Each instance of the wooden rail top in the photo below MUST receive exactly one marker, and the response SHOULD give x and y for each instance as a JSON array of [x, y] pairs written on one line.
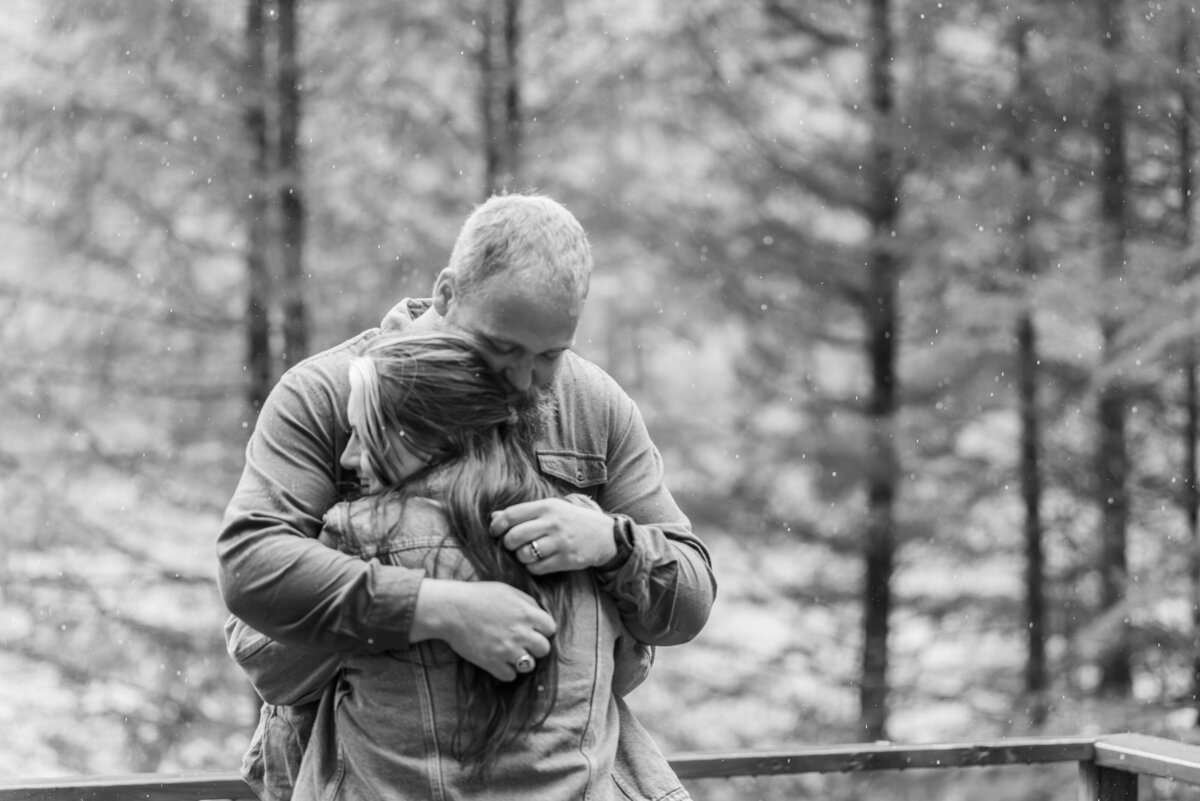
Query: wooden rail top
[[885, 756], [1125, 756], [1150, 756]]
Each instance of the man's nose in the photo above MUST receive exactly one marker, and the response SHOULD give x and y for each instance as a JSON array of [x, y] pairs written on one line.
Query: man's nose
[[519, 374]]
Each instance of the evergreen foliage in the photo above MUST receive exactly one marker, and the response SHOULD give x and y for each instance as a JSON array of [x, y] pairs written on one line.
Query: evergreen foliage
[[724, 158]]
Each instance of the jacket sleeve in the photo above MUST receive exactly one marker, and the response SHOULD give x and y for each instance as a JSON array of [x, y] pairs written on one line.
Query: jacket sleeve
[[273, 573], [280, 674], [664, 585]]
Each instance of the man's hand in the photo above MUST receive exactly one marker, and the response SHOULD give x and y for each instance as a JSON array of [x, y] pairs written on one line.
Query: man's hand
[[488, 623], [554, 535]]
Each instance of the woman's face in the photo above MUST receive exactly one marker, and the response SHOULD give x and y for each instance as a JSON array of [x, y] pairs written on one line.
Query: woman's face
[[355, 458], [403, 460]]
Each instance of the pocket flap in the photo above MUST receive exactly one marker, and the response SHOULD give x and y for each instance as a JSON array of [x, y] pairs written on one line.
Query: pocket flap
[[577, 469]]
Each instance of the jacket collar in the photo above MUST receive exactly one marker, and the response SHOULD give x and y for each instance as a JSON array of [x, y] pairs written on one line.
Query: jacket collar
[[403, 313]]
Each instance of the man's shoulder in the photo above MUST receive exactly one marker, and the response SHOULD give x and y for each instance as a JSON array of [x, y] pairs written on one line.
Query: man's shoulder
[[588, 395], [398, 318], [576, 373], [315, 389], [331, 359]]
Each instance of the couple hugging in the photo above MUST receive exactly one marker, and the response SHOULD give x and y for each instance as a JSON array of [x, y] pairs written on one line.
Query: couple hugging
[[451, 551]]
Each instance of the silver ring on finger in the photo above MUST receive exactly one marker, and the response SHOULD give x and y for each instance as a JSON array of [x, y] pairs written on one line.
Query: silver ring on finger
[[536, 551], [525, 664]]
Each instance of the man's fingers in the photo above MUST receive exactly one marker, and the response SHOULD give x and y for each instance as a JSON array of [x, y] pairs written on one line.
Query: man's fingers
[[544, 624], [504, 519], [503, 671], [524, 533], [539, 647], [536, 646], [494, 624]]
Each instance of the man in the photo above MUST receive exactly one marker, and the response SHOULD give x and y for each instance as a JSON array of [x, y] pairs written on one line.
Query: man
[[517, 280]]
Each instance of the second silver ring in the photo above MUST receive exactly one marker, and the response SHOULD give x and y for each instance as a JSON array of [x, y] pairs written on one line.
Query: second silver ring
[[536, 551]]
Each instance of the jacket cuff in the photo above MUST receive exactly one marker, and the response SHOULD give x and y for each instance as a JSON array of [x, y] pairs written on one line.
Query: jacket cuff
[[623, 537]]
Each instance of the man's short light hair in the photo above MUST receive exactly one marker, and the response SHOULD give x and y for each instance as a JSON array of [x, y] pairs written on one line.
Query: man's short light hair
[[522, 237]]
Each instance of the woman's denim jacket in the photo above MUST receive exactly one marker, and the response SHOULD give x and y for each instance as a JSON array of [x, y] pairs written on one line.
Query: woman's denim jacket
[[381, 727]]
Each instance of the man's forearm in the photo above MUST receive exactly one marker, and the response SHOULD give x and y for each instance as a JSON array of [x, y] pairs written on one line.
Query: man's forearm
[[298, 591]]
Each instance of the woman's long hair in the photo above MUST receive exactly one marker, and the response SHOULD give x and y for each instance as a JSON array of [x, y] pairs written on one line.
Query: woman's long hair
[[437, 395]]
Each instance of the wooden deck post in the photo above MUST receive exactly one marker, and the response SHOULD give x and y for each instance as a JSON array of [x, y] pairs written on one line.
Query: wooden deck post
[[1097, 783]]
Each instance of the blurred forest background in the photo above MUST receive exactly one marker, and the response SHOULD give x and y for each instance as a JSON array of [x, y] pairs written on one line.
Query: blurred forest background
[[906, 289]]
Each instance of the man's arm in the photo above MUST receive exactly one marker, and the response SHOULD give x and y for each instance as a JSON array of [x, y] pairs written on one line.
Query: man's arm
[[277, 577], [663, 585], [662, 578], [273, 573], [642, 545], [280, 674]]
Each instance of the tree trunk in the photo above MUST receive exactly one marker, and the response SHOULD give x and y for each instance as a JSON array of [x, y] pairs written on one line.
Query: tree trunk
[[1031, 493], [512, 89], [1190, 499], [1191, 502], [1027, 372], [882, 333], [1113, 458], [501, 96], [291, 198], [257, 209]]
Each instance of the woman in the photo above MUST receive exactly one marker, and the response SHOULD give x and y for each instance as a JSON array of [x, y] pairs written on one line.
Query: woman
[[437, 447]]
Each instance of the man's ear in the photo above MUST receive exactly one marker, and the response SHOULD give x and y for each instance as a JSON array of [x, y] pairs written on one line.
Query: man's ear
[[443, 291]]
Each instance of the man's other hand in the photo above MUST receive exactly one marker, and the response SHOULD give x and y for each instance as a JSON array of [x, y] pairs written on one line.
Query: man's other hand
[[553, 535]]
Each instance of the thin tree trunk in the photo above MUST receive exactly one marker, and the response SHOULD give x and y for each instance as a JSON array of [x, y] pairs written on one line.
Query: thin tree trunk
[[880, 538], [1031, 492], [257, 209], [291, 198], [500, 94], [1191, 501], [1191, 400], [513, 121], [1027, 371], [1116, 674]]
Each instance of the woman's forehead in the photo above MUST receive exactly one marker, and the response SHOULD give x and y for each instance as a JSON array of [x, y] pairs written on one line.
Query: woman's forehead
[[354, 401]]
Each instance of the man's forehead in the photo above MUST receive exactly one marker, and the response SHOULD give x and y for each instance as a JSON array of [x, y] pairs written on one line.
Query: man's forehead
[[525, 339], [524, 320]]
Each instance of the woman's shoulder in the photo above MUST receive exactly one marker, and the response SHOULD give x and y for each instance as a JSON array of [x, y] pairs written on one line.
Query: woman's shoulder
[[403, 530], [371, 525]]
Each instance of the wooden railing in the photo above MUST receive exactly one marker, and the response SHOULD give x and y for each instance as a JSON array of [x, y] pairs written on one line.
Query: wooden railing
[[1109, 768]]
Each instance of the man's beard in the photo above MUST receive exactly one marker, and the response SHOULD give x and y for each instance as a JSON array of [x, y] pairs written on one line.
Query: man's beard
[[533, 411]]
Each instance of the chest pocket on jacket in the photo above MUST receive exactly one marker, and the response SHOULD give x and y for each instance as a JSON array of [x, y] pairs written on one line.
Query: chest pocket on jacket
[[579, 470]]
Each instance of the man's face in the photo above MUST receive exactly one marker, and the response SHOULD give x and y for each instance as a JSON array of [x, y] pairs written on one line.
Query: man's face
[[524, 330]]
